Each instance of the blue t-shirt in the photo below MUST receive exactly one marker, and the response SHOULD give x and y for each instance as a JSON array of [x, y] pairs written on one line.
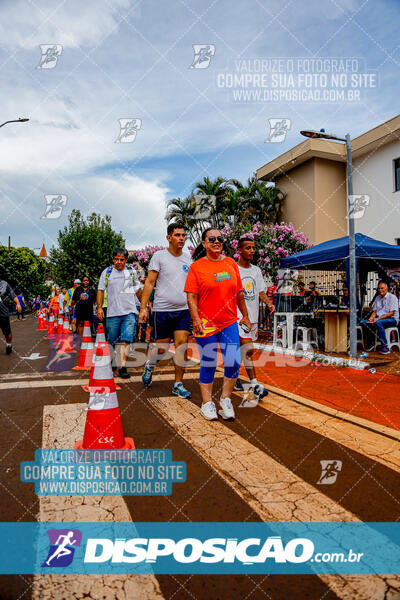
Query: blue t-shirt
[[21, 300]]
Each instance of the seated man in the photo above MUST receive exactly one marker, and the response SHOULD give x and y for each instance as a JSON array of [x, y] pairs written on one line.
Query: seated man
[[385, 314]]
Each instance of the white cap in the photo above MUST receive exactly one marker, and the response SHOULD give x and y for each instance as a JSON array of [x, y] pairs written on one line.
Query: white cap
[[77, 281]]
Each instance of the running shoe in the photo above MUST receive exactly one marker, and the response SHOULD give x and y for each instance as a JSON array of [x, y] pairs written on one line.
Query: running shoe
[[238, 386], [180, 391], [8, 349], [226, 411], [209, 411], [384, 351], [260, 391], [123, 373], [147, 374]]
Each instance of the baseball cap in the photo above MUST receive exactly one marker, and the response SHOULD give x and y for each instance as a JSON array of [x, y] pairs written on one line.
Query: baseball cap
[[77, 281]]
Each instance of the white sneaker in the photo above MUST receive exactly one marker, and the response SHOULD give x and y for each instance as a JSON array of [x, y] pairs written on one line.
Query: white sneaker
[[226, 411], [209, 411]]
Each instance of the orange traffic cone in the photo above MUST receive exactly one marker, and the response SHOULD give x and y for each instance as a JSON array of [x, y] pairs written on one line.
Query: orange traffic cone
[[59, 329], [101, 379], [51, 332], [86, 353], [42, 323], [100, 335], [103, 428], [66, 341]]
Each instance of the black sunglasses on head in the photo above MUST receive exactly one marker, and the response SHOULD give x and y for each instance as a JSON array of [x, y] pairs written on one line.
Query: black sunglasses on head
[[212, 239]]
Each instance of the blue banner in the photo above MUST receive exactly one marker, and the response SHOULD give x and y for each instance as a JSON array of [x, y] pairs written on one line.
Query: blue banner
[[200, 548]]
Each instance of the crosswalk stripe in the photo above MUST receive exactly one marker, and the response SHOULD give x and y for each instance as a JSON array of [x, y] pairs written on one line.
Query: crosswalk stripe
[[274, 492], [62, 426]]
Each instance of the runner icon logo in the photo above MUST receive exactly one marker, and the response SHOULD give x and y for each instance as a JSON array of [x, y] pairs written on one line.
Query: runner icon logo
[[62, 542], [329, 471], [202, 56]]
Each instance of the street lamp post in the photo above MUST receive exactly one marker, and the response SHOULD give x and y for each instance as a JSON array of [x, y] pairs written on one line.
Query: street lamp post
[[14, 121], [352, 240]]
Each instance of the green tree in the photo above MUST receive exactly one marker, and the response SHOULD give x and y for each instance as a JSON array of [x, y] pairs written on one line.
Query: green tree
[[24, 271], [261, 202], [184, 211], [84, 248]]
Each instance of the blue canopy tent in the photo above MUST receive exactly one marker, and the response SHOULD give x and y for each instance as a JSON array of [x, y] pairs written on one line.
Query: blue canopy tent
[[371, 255]]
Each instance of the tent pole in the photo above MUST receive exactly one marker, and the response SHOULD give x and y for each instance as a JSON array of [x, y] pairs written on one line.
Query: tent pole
[[352, 253]]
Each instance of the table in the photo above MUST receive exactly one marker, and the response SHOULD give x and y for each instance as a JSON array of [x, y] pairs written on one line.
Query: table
[[335, 329], [289, 316]]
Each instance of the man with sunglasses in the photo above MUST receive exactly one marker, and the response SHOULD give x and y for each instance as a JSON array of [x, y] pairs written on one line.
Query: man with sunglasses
[[168, 270]]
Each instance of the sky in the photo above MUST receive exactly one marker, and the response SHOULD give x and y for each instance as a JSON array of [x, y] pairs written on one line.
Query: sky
[[179, 72]]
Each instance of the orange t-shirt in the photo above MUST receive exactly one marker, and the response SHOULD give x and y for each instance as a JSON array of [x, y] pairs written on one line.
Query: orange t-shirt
[[54, 306], [216, 283]]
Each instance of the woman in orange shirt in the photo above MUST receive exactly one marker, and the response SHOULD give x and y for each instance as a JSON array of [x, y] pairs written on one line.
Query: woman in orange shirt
[[54, 306], [215, 291]]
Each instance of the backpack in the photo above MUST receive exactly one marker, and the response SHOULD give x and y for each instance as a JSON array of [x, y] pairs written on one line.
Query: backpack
[[109, 270]]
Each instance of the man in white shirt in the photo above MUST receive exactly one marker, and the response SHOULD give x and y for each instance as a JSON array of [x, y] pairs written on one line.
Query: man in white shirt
[[61, 298], [385, 314], [254, 291], [121, 282], [169, 268]]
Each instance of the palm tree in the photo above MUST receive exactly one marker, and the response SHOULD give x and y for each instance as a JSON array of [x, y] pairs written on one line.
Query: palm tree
[[218, 188], [262, 201], [183, 210]]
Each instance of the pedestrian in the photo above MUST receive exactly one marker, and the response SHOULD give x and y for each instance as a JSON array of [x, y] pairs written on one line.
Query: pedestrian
[[54, 306], [7, 291], [215, 292], [83, 300], [61, 297], [21, 299], [68, 309], [121, 282], [254, 291], [168, 269]]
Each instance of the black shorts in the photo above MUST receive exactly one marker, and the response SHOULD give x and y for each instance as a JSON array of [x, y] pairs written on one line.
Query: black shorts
[[166, 322], [84, 314], [5, 325]]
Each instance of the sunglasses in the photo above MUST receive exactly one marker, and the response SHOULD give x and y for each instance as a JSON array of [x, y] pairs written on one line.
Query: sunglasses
[[213, 239]]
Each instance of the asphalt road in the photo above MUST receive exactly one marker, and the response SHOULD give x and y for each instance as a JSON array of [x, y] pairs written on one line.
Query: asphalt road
[[281, 446]]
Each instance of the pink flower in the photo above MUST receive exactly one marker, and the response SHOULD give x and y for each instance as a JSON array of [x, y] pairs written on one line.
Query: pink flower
[[236, 256]]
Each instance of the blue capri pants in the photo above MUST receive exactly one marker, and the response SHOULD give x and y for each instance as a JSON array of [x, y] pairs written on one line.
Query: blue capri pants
[[229, 343]]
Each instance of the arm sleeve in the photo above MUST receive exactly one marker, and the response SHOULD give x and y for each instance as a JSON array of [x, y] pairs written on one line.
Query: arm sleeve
[[239, 284], [102, 281], [154, 264], [192, 284]]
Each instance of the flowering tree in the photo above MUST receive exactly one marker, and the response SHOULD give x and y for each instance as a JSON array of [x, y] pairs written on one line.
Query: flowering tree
[[140, 259], [272, 242]]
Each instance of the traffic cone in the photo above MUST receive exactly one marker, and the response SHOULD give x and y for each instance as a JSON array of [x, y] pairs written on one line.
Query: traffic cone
[[101, 379], [86, 353], [59, 329], [51, 332], [100, 335], [103, 428], [42, 323], [66, 340]]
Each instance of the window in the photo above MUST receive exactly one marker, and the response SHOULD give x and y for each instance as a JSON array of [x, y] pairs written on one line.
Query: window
[[397, 175]]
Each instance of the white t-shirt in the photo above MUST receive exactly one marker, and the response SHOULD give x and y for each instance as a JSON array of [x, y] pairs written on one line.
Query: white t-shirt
[[61, 302], [121, 291], [172, 272], [253, 283]]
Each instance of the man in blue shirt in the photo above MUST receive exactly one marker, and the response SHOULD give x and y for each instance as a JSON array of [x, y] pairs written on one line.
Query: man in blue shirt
[[385, 314], [21, 299]]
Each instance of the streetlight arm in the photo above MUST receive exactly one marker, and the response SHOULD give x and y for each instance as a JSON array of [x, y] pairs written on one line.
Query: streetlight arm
[[14, 121]]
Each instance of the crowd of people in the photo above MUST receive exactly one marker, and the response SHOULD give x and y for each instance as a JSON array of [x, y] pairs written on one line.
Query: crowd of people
[[207, 294]]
